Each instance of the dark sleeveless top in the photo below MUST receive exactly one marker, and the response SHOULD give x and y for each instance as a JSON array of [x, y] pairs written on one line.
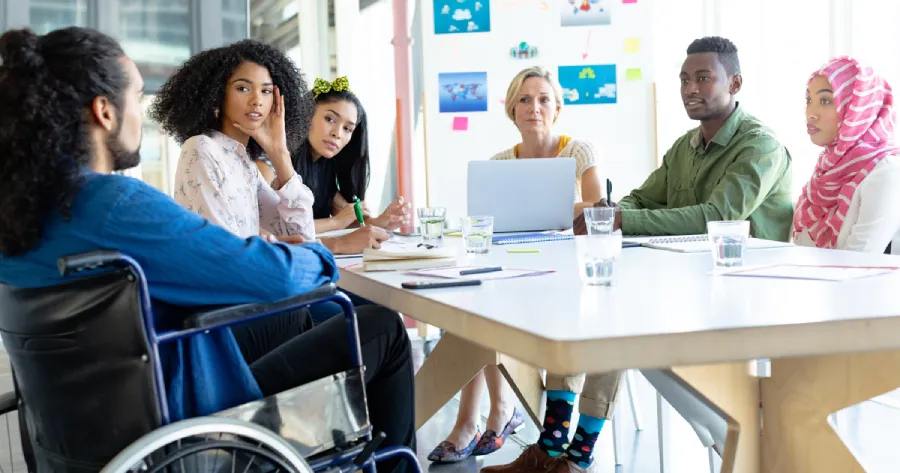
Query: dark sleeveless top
[[320, 177]]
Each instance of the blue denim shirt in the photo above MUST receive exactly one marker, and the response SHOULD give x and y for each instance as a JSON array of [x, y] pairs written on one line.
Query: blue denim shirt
[[187, 262]]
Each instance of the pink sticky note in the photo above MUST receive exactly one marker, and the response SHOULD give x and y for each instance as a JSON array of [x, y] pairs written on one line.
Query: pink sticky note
[[460, 123], [629, 1]]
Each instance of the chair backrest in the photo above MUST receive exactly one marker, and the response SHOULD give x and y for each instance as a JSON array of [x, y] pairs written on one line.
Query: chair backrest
[[80, 357]]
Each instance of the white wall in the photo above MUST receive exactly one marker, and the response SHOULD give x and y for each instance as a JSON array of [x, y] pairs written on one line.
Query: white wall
[[780, 43], [622, 131]]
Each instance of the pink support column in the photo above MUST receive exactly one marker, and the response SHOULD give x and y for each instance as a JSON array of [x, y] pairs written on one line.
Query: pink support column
[[403, 87]]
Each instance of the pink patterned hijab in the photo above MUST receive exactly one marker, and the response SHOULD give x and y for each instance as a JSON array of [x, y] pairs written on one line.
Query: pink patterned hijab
[[866, 136]]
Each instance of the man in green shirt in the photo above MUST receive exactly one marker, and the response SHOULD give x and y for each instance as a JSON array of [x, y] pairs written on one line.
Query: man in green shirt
[[731, 167]]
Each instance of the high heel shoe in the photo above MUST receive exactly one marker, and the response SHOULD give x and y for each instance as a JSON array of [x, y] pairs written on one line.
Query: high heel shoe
[[491, 442], [446, 451]]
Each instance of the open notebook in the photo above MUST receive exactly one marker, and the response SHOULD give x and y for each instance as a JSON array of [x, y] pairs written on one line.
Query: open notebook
[[695, 243], [408, 256]]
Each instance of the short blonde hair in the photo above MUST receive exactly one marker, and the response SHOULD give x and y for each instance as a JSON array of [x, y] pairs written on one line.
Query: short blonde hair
[[516, 86]]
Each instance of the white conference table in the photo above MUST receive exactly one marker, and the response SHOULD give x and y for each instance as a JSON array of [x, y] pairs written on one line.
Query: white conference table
[[832, 344]]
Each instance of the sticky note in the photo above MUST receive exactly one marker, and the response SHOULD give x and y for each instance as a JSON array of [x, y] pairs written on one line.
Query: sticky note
[[633, 73], [632, 45], [461, 123], [629, 1]]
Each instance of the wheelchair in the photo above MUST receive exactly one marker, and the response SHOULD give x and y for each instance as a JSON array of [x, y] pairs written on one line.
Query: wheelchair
[[90, 395]]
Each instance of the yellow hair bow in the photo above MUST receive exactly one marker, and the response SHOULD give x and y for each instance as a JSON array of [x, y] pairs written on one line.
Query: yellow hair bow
[[322, 86]]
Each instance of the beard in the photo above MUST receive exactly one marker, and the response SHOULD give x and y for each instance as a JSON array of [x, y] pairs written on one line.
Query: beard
[[122, 157]]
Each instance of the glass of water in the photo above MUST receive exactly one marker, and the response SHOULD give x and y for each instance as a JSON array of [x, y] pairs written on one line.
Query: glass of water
[[597, 255], [431, 221], [477, 233], [599, 220], [729, 240]]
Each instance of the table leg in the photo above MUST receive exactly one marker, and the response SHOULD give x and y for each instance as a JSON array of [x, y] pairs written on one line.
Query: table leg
[[527, 383], [729, 390], [801, 394], [455, 361]]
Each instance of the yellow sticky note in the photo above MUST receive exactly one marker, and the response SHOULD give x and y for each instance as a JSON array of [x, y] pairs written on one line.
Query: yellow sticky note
[[632, 45], [633, 74]]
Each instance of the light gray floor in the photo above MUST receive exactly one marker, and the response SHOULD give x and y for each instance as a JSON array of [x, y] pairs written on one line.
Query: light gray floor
[[869, 428]]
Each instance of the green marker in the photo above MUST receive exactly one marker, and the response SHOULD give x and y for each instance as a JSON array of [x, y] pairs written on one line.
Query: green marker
[[359, 215], [522, 250]]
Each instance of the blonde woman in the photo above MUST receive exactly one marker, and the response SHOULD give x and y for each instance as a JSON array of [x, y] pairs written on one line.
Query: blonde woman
[[533, 103]]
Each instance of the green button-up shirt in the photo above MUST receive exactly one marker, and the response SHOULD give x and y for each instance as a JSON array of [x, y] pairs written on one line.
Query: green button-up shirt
[[744, 173]]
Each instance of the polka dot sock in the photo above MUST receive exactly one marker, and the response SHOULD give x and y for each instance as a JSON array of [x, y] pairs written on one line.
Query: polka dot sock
[[555, 438], [581, 450]]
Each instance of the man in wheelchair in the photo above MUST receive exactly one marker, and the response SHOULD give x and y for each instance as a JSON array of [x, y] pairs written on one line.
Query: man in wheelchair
[[72, 115]]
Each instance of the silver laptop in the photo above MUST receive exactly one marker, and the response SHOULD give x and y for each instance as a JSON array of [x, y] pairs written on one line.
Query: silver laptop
[[523, 195]]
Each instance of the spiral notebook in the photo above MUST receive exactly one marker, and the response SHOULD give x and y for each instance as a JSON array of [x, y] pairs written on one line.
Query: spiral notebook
[[695, 243], [529, 238]]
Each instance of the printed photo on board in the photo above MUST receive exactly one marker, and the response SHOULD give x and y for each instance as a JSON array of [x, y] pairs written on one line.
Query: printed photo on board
[[588, 85], [463, 92], [584, 12], [462, 16]]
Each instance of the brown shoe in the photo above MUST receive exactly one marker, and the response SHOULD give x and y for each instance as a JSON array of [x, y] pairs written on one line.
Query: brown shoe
[[532, 460]]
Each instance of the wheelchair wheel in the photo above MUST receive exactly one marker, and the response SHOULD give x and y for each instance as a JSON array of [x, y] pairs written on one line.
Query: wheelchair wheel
[[207, 445]]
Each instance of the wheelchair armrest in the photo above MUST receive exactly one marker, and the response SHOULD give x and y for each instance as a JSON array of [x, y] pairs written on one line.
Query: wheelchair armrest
[[9, 402], [90, 260], [219, 317]]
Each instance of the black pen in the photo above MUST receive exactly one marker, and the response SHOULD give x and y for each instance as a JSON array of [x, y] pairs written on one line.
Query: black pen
[[480, 271], [608, 193]]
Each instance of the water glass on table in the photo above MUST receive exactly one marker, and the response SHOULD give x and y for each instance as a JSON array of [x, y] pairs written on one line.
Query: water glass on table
[[729, 242], [477, 233], [431, 221], [597, 255], [599, 220]]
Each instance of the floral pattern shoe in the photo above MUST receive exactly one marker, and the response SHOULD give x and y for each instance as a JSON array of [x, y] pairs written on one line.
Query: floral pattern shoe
[[446, 452], [491, 441]]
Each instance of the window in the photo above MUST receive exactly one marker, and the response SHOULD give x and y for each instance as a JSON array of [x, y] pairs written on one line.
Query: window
[[48, 15], [234, 21], [157, 35]]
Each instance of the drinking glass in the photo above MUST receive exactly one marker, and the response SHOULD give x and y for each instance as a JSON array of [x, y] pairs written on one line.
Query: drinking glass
[[431, 221], [599, 220], [477, 233], [729, 242], [597, 255]]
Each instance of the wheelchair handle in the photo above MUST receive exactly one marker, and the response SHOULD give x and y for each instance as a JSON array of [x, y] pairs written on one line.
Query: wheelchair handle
[[90, 260]]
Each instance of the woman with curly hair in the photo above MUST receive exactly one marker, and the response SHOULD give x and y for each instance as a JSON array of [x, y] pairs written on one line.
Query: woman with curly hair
[[227, 107], [334, 163]]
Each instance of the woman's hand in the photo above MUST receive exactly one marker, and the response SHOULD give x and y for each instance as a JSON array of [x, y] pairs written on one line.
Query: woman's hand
[[272, 138], [345, 217], [395, 215]]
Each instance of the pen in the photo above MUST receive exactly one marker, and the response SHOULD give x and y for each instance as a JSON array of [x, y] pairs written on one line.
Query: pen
[[523, 250], [480, 271], [359, 215], [608, 192]]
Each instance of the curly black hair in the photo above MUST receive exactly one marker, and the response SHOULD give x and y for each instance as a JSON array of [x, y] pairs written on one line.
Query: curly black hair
[[726, 50], [351, 164], [46, 85], [185, 105]]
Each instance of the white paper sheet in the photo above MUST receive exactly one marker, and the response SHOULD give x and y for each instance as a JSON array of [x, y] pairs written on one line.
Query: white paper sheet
[[811, 272]]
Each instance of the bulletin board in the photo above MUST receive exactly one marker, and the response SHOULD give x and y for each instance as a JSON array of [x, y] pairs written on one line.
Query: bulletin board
[[600, 52]]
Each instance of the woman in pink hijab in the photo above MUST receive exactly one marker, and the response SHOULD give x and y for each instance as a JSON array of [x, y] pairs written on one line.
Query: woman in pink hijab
[[852, 200]]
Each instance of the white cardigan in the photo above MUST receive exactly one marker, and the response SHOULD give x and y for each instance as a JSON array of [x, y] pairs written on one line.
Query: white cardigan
[[873, 219]]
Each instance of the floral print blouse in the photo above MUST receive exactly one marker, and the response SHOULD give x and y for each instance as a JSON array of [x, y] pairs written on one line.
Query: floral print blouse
[[217, 179]]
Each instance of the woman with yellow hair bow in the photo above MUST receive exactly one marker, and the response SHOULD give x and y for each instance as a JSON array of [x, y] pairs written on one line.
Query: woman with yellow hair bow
[[334, 163]]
